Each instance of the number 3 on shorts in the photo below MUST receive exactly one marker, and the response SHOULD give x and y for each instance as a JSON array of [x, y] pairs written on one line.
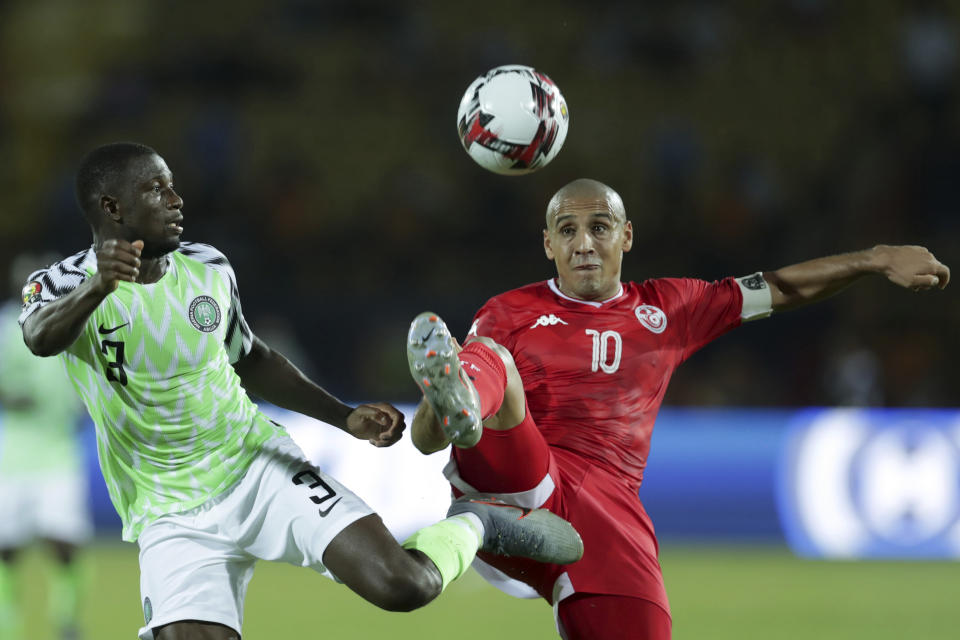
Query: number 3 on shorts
[[317, 481]]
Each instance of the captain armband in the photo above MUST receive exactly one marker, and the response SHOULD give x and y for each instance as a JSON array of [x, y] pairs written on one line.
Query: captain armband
[[757, 297]]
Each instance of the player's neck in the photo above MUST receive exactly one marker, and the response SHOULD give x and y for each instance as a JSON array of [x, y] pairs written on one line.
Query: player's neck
[[591, 297], [152, 269]]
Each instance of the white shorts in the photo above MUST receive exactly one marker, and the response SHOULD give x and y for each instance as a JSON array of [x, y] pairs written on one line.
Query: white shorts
[[196, 565], [49, 505]]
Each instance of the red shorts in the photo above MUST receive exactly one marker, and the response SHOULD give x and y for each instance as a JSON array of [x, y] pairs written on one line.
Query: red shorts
[[620, 549], [588, 616]]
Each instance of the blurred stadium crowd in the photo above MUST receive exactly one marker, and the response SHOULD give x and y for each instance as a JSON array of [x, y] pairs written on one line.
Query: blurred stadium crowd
[[314, 143]]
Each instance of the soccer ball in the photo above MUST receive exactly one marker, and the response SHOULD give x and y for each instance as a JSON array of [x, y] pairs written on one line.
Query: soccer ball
[[512, 120]]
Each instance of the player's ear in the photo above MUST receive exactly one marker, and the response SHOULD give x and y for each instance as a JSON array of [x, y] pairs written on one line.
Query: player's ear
[[627, 236], [110, 207], [547, 249]]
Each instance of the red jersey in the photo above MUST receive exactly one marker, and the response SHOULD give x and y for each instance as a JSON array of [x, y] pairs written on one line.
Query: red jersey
[[595, 373]]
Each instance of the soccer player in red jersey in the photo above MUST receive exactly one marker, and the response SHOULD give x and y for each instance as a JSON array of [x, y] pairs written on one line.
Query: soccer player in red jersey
[[567, 376]]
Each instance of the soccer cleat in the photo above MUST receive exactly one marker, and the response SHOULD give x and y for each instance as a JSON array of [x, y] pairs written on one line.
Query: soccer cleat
[[435, 367], [509, 530]]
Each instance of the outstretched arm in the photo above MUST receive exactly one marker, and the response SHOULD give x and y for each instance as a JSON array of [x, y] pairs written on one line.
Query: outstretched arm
[[910, 267], [269, 375]]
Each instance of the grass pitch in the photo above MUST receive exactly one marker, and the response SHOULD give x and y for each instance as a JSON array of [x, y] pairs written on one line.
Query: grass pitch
[[717, 593]]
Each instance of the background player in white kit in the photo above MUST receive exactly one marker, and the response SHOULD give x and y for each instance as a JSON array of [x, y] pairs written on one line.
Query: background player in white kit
[[43, 486], [204, 482]]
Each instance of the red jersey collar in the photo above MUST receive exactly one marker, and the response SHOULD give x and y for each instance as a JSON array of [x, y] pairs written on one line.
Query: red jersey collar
[[556, 290]]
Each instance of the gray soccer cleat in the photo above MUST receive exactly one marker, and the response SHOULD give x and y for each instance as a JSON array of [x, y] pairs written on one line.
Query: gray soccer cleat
[[509, 530], [435, 366]]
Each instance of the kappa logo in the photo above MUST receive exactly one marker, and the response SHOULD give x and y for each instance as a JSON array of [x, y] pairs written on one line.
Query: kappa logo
[[547, 321], [469, 365], [651, 317], [473, 328]]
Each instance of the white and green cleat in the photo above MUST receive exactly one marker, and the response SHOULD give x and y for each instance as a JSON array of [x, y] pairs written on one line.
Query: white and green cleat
[[509, 530], [435, 367]]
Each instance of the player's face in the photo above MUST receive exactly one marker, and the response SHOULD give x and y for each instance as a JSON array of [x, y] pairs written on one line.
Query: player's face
[[586, 238], [150, 208]]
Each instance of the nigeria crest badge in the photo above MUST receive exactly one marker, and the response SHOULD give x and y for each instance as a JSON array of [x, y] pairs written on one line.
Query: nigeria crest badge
[[204, 314]]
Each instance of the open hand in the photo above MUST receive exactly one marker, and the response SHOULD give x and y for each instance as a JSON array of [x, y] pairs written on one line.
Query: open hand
[[379, 423]]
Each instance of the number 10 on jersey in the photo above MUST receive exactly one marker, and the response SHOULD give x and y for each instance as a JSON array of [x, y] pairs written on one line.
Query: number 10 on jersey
[[601, 350]]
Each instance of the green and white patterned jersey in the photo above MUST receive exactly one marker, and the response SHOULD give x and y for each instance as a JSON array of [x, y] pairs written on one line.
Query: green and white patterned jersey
[[41, 435], [153, 365]]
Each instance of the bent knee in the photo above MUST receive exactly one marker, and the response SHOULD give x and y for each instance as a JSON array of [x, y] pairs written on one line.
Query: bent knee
[[497, 348], [513, 376]]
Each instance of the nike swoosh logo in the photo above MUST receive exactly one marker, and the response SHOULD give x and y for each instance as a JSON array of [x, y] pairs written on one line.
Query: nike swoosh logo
[[104, 331]]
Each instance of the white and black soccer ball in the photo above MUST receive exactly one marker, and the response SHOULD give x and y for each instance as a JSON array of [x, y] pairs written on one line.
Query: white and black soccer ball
[[512, 120]]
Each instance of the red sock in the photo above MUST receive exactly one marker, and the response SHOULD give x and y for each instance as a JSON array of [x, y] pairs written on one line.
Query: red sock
[[489, 376]]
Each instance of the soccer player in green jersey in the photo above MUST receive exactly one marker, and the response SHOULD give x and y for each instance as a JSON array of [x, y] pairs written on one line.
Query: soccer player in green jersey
[[43, 485], [154, 339]]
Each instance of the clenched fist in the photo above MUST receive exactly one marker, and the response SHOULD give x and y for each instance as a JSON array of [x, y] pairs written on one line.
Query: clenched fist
[[117, 260]]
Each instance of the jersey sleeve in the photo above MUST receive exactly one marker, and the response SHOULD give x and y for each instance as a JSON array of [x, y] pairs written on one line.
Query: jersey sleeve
[[46, 285], [492, 321], [238, 339], [706, 310]]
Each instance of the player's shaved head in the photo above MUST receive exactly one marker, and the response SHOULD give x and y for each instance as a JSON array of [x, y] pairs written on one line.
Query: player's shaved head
[[101, 170], [585, 193]]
